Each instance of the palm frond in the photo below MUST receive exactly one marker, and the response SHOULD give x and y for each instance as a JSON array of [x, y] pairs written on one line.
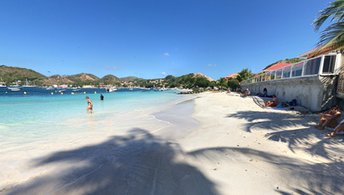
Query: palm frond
[[333, 33], [335, 11]]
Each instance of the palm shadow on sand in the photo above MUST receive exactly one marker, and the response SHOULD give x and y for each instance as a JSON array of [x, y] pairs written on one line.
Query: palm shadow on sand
[[293, 130], [318, 178], [138, 163]]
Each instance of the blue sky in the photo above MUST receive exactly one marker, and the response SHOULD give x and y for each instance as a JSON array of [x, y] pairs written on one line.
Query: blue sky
[[152, 38]]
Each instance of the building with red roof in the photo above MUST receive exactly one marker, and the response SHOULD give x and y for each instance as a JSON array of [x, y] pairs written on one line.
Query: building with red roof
[[277, 66], [231, 76], [316, 82]]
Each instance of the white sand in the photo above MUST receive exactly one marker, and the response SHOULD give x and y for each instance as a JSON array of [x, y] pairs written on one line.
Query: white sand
[[232, 147]]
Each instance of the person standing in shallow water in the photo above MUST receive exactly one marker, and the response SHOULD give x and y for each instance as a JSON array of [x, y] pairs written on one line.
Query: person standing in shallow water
[[89, 108], [101, 97]]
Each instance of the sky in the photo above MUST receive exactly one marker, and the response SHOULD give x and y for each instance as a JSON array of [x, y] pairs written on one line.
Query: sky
[[154, 38]]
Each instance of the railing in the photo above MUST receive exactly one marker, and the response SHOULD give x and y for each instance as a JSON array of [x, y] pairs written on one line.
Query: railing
[[322, 65]]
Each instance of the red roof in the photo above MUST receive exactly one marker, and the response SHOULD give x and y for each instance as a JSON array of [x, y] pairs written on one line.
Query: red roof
[[231, 76], [277, 66]]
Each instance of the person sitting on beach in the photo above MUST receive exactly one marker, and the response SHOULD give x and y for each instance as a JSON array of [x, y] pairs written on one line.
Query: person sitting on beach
[[272, 103], [89, 108], [329, 118], [246, 92], [339, 128]]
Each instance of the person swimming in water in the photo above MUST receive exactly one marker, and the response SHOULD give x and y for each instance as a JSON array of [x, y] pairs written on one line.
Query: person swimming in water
[[89, 108]]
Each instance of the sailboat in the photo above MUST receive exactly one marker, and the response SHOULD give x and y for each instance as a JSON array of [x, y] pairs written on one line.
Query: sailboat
[[27, 84]]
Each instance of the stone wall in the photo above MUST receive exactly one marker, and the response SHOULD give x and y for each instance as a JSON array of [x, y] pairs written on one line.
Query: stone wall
[[315, 93]]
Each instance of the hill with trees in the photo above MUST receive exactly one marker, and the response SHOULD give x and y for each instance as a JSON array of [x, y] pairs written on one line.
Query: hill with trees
[[9, 75], [110, 80], [194, 81]]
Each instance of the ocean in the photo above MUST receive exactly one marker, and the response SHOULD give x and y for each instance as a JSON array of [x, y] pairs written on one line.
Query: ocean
[[42, 113]]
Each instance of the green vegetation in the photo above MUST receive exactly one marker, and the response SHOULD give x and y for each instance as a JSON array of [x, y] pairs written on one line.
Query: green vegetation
[[290, 61], [197, 82], [233, 84], [244, 74], [84, 79], [110, 80], [189, 81], [333, 35], [11, 75]]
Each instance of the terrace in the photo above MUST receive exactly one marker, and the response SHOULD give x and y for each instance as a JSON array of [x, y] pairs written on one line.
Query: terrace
[[319, 66], [312, 82]]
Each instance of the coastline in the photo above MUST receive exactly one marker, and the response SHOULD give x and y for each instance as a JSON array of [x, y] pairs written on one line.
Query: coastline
[[97, 128], [179, 118], [230, 146]]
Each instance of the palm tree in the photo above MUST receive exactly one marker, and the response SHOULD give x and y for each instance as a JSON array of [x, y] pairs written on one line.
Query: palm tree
[[332, 38]]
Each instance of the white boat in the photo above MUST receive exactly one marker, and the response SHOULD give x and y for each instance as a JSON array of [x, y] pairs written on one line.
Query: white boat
[[111, 89], [14, 89], [27, 84], [162, 89], [75, 89]]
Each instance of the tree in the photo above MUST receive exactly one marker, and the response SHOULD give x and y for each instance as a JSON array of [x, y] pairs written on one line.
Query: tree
[[233, 84], [244, 74], [223, 83], [333, 35], [202, 82]]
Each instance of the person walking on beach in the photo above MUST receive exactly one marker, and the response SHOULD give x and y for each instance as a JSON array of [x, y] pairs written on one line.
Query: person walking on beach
[[89, 108]]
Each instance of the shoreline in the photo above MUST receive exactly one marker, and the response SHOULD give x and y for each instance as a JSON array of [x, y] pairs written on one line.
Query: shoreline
[[230, 146], [143, 118], [180, 119]]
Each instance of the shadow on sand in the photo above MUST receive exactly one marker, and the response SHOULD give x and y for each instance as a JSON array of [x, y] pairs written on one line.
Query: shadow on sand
[[293, 130], [138, 163], [320, 178]]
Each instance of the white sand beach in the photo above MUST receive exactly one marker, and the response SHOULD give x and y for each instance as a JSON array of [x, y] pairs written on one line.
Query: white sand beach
[[213, 143]]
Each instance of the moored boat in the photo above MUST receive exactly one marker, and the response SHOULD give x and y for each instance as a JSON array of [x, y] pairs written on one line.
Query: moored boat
[[14, 89]]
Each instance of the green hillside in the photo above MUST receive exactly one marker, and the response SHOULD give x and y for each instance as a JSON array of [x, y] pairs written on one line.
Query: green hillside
[[10, 74], [110, 80]]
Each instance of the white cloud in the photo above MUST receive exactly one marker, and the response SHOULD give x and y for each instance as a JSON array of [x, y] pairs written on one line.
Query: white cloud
[[111, 68], [166, 54], [164, 73]]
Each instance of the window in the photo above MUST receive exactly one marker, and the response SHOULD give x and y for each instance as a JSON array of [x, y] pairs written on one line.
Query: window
[[297, 70], [279, 74], [286, 72], [273, 75], [312, 66], [329, 64]]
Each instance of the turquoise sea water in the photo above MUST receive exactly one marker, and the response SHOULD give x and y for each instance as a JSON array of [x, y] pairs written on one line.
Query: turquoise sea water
[[30, 116]]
